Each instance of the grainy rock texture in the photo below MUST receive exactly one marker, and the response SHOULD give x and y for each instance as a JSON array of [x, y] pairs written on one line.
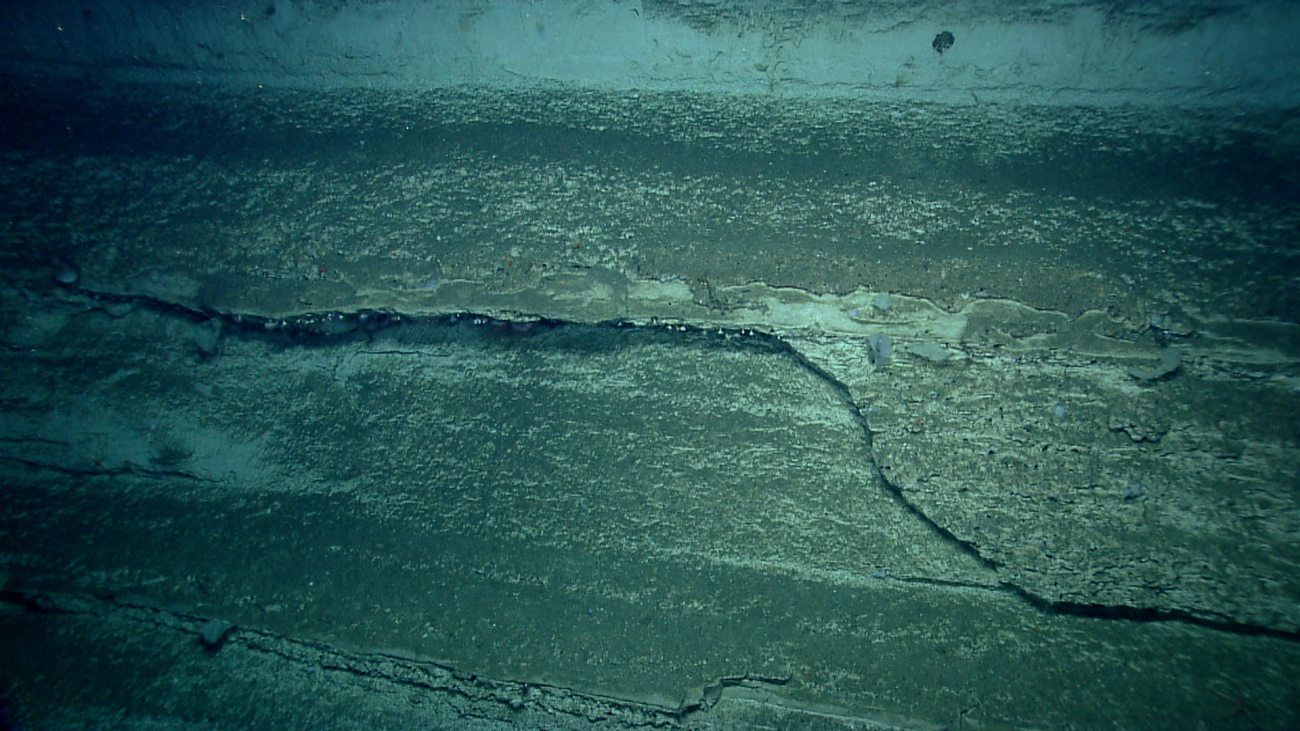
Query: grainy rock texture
[[685, 365]]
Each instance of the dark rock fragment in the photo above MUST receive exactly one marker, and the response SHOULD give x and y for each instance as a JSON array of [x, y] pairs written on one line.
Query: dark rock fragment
[[943, 42]]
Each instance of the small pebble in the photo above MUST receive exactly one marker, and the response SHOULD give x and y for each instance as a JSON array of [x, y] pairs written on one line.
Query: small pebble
[[66, 273], [207, 335], [213, 633], [118, 310], [878, 349]]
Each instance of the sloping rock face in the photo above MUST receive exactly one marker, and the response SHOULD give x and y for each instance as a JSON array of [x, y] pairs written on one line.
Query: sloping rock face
[[680, 399]]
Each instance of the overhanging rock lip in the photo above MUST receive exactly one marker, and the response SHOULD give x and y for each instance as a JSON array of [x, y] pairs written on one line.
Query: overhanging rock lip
[[600, 295]]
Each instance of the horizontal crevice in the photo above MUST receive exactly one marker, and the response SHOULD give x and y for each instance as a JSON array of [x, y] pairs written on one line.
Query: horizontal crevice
[[388, 332]]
